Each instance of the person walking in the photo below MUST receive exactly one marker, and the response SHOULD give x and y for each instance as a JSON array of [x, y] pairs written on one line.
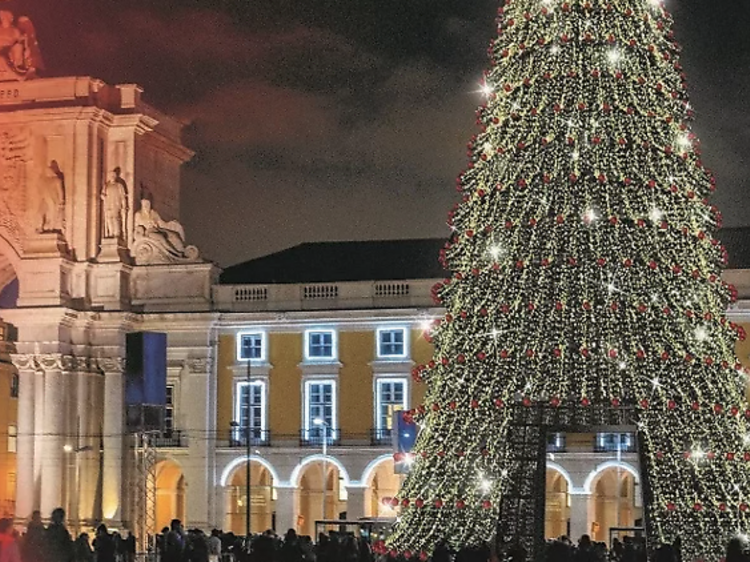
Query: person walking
[[82, 549], [9, 551], [104, 545], [58, 542], [32, 544], [174, 547], [214, 546]]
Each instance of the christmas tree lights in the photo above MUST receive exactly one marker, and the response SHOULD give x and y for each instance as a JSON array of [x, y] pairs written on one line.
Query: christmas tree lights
[[586, 274]]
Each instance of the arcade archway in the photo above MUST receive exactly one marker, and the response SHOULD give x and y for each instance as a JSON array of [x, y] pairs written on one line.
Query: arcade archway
[[9, 262], [615, 502], [382, 483], [322, 495], [261, 497], [170, 494], [557, 511]]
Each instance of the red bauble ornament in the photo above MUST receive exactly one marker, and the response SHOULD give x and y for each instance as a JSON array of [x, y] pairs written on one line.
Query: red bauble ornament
[[460, 504], [671, 405], [438, 503], [486, 504], [671, 506]]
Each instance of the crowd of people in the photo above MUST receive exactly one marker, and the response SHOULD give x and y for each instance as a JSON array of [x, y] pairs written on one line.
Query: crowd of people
[[54, 543]]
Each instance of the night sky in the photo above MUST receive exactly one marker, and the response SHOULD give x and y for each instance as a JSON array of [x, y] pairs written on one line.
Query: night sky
[[323, 120]]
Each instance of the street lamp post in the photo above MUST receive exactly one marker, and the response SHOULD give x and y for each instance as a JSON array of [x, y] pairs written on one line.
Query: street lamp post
[[324, 424], [76, 483], [248, 451]]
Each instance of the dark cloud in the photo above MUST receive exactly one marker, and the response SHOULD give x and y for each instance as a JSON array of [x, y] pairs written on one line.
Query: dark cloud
[[333, 119]]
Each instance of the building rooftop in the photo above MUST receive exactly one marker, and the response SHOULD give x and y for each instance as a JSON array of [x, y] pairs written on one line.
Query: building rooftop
[[327, 262], [388, 260]]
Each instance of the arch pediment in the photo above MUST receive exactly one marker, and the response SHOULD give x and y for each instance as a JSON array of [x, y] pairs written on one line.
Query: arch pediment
[[9, 263]]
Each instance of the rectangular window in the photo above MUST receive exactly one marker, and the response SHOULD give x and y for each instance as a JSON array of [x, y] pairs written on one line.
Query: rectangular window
[[320, 406], [251, 346], [14, 385], [250, 411], [320, 344], [12, 438], [169, 411], [555, 442], [392, 342], [612, 442], [391, 398]]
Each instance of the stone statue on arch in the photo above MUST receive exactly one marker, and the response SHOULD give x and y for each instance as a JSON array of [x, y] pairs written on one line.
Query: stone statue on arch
[[156, 241], [115, 205], [20, 56], [51, 189]]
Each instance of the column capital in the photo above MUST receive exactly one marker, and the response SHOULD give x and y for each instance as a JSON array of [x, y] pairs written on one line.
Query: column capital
[[115, 365], [50, 362]]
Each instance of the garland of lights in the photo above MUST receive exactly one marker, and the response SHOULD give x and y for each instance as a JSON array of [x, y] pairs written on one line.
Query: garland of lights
[[585, 274]]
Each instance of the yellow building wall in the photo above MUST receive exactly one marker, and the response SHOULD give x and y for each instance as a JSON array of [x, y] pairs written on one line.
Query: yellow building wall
[[285, 384], [224, 390], [8, 417], [355, 401], [742, 349], [421, 354]]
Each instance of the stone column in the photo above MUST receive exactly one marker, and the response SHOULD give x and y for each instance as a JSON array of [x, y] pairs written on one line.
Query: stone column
[[355, 506], [287, 502], [53, 456], [579, 516], [114, 435], [196, 466], [25, 485]]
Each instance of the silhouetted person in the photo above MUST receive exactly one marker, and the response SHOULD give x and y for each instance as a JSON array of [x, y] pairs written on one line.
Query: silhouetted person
[[58, 543], [82, 549], [9, 551], [104, 545], [174, 546], [32, 546]]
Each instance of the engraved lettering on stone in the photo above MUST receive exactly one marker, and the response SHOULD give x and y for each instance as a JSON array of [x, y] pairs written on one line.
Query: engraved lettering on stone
[[14, 154]]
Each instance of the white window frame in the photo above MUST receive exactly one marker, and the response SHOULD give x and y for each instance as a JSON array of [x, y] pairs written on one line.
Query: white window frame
[[263, 345], [170, 406], [378, 402], [12, 438], [308, 424], [334, 345], [378, 342], [263, 404]]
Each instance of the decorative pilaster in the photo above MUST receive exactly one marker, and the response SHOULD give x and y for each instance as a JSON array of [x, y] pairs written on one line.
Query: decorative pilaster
[[579, 515], [197, 466], [287, 502], [355, 505], [113, 439], [25, 483], [53, 439]]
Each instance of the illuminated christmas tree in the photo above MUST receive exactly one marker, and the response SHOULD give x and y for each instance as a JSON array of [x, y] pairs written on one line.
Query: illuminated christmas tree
[[585, 274]]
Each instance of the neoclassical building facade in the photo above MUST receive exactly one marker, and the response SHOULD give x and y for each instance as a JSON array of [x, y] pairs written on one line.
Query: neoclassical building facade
[[294, 363]]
